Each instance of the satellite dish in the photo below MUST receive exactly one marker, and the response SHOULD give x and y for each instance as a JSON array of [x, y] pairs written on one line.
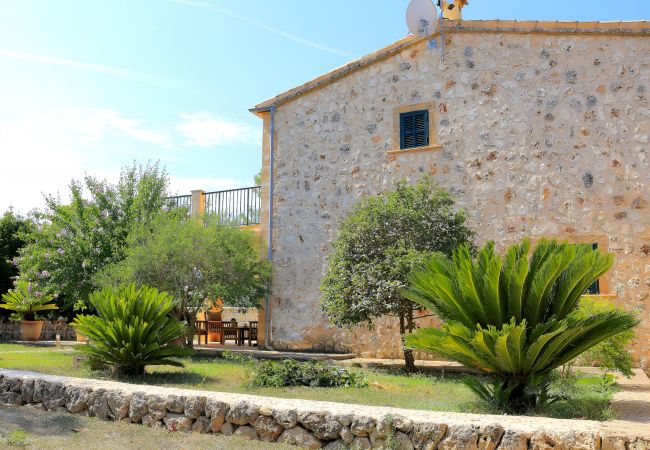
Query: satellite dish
[[422, 18]]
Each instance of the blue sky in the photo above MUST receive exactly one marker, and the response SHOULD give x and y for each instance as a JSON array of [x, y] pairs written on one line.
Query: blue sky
[[91, 85]]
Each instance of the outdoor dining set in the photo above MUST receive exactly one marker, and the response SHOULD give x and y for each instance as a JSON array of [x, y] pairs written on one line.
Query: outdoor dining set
[[218, 331]]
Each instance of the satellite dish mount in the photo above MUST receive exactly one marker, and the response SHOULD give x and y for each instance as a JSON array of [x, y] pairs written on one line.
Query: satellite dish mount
[[423, 20]]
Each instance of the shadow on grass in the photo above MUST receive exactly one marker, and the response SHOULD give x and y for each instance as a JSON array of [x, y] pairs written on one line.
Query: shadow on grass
[[160, 378], [38, 422]]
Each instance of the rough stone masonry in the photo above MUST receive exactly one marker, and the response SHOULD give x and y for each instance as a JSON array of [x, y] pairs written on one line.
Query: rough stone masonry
[[306, 424], [541, 130]]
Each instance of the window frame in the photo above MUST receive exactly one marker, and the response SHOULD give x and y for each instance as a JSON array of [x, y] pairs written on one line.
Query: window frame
[[396, 134], [403, 133], [596, 284]]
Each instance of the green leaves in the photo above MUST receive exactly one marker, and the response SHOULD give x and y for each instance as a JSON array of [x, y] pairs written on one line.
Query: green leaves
[[514, 318], [380, 242], [75, 239], [133, 328], [26, 301], [193, 261]]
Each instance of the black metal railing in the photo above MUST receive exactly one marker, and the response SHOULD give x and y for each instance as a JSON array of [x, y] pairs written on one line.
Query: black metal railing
[[235, 206], [180, 201]]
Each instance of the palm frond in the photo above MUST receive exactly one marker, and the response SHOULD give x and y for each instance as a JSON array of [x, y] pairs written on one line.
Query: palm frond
[[512, 318], [133, 328]]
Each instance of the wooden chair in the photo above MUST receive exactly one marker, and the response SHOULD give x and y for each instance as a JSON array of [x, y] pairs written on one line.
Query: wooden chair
[[201, 329], [214, 330], [252, 332], [229, 331]]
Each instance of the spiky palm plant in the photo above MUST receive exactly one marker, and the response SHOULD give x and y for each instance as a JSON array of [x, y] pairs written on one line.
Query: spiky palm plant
[[512, 318], [133, 328]]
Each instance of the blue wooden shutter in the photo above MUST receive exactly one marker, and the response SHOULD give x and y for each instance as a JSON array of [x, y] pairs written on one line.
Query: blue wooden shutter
[[414, 129], [594, 289]]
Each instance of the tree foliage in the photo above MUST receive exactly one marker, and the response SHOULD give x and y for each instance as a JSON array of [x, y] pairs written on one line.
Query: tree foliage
[[13, 231], [380, 242], [73, 241], [514, 318], [193, 260], [133, 328]]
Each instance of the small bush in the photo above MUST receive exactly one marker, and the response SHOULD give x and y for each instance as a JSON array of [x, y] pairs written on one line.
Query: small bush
[[17, 438], [289, 372], [132, 329], [579, 397], [612, 353]]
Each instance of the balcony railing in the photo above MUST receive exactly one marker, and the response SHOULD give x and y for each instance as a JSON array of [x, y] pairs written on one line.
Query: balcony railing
[[180, 201], [237, 207]]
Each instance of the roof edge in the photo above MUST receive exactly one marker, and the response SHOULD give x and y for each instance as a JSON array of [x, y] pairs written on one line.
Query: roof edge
[[630, 28]]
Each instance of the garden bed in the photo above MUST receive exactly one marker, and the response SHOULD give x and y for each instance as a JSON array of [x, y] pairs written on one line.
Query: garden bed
[[385, 387]]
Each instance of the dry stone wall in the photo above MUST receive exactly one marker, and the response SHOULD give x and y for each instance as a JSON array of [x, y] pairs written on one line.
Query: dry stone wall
[[10, 331], [541, 134], [306, 424]]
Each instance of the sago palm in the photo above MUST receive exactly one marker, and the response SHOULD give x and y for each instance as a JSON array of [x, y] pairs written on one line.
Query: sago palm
[[511, 317], [133, 328]]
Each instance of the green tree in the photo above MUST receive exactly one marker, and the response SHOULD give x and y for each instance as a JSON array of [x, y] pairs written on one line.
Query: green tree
[[73, 241], [13, 231], [515, 318], [257, 178], [380, 241], [193, 260]]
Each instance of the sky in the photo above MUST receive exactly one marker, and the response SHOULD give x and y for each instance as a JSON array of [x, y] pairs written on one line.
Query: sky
[[89, 86]]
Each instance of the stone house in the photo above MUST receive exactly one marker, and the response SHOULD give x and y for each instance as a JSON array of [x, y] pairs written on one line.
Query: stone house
[[538, 128]]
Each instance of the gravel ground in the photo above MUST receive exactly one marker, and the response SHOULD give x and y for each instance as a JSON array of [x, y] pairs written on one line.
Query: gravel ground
[[23, 427]]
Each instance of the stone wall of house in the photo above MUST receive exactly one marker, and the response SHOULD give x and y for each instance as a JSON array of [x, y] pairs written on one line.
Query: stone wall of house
[[239, 314], [541, 134], [306, 424]]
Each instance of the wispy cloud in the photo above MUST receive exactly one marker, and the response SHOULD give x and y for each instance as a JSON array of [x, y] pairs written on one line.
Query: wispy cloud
[[203, 129], [291, 37], [43, 152], [109, 70]]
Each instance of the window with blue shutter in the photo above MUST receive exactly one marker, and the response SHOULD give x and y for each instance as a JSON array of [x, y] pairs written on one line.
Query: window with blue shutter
[[594, 289], [414, 129]]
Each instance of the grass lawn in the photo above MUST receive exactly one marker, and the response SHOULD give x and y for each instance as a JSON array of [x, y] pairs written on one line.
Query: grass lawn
[[418, 391], [27, 428]]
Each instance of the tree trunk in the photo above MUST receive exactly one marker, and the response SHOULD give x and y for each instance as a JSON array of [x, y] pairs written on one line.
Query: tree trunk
[[189, 336], [409, 360]]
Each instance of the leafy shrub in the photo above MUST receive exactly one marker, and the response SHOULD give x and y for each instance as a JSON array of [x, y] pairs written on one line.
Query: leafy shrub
[[192, 260], [289, 372], [132, 329], [73, 241], [512, 319], [579, 397], [612, 353], [25, 300]]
